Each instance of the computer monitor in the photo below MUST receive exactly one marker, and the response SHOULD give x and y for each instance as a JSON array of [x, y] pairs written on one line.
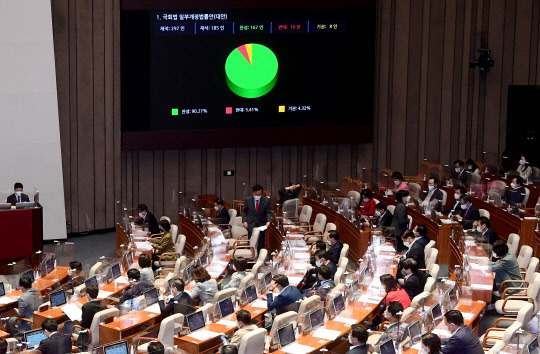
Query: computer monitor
[[34, 337], [452, 297], [2, 289], [387, 347], [5, 206], [28, 273], [186, 274], [203, 260], [226, 307], [43, 268], [436, 314], [267, 279], [115, 270], [24, 205], [338, 304], [58, 298], [415, 332], [91, 281], [354, 286], [151, 296], [116, 348], [532, 346], [129, 258], [251, 293], [50, 264], [195, 321], [286, 335], [316, 318]]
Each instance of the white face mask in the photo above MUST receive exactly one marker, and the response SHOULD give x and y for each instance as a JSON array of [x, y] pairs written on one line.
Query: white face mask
[[513, 185], [408, 199], [463, 206], [141, 215], [366, 200], [350, 340], [406, 244], [431, 188], [70, 272], [469, 167], [494, 254], [18, 193], [479, 228], [318, 263], [458, 170], [457, 196], [329, 242], [216, 208], [522, 162], [397, 182], [378, 213], [257, 197]]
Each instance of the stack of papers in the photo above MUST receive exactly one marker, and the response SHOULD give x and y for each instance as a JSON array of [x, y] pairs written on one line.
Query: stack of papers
[[203, 334], [326, 334], [295, 280], [104, 294], [4, 300], [300, 266], [260, 304], [121, 279], [227, 323], [153, 308], [443, 333], [467, 316], [72, 311], [303, 255], [297, 348], [143, 246]]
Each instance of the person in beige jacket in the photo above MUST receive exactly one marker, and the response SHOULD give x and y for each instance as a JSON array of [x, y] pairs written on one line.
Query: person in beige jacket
[[244, 326]]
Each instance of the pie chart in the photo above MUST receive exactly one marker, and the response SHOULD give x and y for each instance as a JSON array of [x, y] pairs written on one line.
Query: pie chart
[[251, 70]]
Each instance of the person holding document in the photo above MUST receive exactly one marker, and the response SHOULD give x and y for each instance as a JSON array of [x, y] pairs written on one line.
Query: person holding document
[[257, 212]]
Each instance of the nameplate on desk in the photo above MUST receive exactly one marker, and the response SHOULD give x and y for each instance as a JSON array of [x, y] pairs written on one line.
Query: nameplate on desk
[[104, 294], [370, 299]]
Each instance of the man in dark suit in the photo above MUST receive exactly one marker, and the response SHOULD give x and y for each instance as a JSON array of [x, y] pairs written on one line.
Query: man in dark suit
[[488, 234], [414, 281], [55, 343], [459, 176], [92, 307], [517, 193], [463, 339], [181, 302], [292, 191], [433, 196], [358, 339], [416, 250], [312, 275], [455, 209], [335, 246], [148, 218], [222, 215], [420, 234], [18, 196], [134, 277], [257, 212], [385, 217], [287, 294], [470, 212]]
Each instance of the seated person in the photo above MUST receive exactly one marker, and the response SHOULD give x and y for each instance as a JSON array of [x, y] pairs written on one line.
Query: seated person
[[414, 280], [483, 226], [147, 274], [415, 250], [394, 291], [18, 196], [459, 176], [240, 265], [205, 286], [524, 169], [335, 246], [420, 234], [433, 196], [27, 303], [134, 277], [148, 218], [367, 205], [222, 215], [319, 246], [55, 343], [325, 283], [384, 216], [292, 191], [229, 349], [463, 339], [243, 318], [517, 193], [471, 166], [156, 347], [286, 294], [357, 339], [431, 343], [506, 268], [180, 302], [455, 209], [399, 185], [470, 212], [76, 274], [163, 244], [92, 307], [393, 314]]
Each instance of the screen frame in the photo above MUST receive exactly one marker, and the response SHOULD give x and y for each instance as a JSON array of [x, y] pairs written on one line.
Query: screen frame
[[124, 342]]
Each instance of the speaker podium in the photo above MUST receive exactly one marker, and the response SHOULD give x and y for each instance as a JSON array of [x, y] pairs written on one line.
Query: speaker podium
[[21, 233]]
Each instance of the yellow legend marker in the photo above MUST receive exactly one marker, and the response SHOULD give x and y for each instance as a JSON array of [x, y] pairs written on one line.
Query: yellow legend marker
[[281, 109]]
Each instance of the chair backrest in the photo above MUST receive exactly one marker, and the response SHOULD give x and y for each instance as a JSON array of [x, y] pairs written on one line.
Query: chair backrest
[[223, 294], [407, 313], [237, 231], [174, 232], [256, 267], [430, 285], [355, 196], [308, 304], [95, 268], [436, 171], [236, 221], [432, 258], [444, 197], [391, 208], [180, 243], [428, 247], [476, 178], [414, 189], [100, 317], [167, 329], [305, 214], [356, 185], [513, 243], [165, 218], [320, 222], [281, 320], [525, 314], [434, 271], [510, 332], [253, 342], [180, 264], [345, 184], [262, 255], [343, 263], [531, 269], [533, 289], [329, 227], [417, 300], [206, 309], [232, 214], [527, 195], [484, 212], [290, 208], [410, 221], [524, 256], [79, 289], [254, 239], [338, 276], [344, 252]]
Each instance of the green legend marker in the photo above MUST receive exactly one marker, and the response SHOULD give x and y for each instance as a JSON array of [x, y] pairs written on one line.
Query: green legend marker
[[174, 112], [251, 70]]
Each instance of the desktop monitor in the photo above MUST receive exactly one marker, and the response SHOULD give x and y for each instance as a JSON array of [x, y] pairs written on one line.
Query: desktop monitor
[[436, 314], [186, 274], [226, 307], [316, 318], [58, 298], [251, 293], [267, 279], [91, 281], [2, 289], [151, 296], [286, 335], [116, 348], [338, 304], [195, 321], [203, 260], [129, 258], [43, 269], [34, 337], [415, 332], [28, 273], [452, 297], [50, 264], [387, 347], [115, 270]]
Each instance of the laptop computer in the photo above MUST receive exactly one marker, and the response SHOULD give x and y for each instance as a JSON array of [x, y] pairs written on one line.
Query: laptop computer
[[151, 296], [316, 318], [436, 314], [58, 298], [34, 337], [250, 293], [387, 347], [267, 279], [91, 281], [338, 304], [415, 332], [286, 335], [226, 307], [116, 348], [195, 321], [115, 271], [129, 258]]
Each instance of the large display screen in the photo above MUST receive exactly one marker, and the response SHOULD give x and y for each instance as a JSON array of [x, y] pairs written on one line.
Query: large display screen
[[204, 72]]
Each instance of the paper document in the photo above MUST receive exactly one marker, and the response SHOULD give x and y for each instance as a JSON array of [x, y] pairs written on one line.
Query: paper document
[[295, 280], [349, 321], [326, 334], [227, 323], [153, 308], [262, 304], [479, 266], [370, 299], [443, 333], [386, 249], [296, 348], [203, 334], [72, 311], [467, 316], [143, 246], [104, 294], [4, 300], [122, 280], [302, 255], [262, 228], [470, 243], [300, 266]]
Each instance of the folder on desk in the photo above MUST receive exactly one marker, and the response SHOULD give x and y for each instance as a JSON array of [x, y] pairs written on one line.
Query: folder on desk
[[72, 311]]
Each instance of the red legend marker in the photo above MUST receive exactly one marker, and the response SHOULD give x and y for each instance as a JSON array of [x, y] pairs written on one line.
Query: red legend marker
[[228, 110]]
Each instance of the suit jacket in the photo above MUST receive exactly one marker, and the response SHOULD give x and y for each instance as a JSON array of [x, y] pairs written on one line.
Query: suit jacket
[[132, 292], [284, 195], [335, 251], [462, 178], [324, 289], [423, 240], [288, 296], [88, 311], [414, 285], [236, 278], [237, 338], [222, 216], [254, 218], [182, 303], [416, 252], [507, 268], [455, 209], [470, 216], [385, 219], [436, 195], [56, 344], [13, 198], [515, 195], [151, 220], [205, 291], [399, 220], [463, 341], [490, 235], [29, 302], [163, 245], [361, 349]]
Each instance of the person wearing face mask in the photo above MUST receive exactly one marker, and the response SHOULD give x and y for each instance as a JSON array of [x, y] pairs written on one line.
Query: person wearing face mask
[[400, 221], [222, 215], [367, 206], [180, 302], [312, 274], [18, 196], [257, 212], [164, 245], [455, 209], [525, 171], [517, 193], [433, 196], [394, 291], [383, 215], [392, 314], [240, 265], [357, 339], [76, 274], [415, 250], [334, 251], [484, 228], [243, 317], [286, 294], [431, 344], [319, 246], [292, 191], [506, 268], [470, 213], [399, 185], [414, 280], [325, 284], [420, 234], [92, 307], [134, 277], [463, 339], [148, 218], [471, 166], [459, 176]]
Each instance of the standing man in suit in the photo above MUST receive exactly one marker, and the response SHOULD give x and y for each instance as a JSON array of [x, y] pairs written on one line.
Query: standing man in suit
[[148, 218], [55, 343], [222, 215], [335, 246], [463, 338], [416, 250], [18, 196], [287, 294], [92, 307], [28, 302], [385, 217], [455, 209], [459, 175], [257, 212], [358, 339], [433, 196], [420, 235], [181, 302], [470, 212]]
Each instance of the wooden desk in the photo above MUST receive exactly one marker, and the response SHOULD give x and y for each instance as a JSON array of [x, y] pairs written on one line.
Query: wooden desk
[[127, 326]]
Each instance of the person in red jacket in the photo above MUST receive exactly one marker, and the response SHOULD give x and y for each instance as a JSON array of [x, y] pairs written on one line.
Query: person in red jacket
[[367, 206], [394, 291]]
